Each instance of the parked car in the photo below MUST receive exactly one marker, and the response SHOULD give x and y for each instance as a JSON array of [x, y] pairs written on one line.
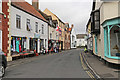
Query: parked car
[[3, 63]]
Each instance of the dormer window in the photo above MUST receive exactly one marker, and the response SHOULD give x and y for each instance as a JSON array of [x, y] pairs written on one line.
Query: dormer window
[[50, 22]]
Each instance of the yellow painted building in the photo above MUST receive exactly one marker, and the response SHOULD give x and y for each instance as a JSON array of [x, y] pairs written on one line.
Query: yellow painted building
[[61, 26]]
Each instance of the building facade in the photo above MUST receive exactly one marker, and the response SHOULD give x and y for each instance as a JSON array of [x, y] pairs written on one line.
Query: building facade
[[27, 31], [60, 25], [89, 37], [81, 41], [67, 40], [73, 38], [105, 29], [1, 25]]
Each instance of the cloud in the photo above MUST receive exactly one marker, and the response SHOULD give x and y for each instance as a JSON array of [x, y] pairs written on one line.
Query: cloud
[[75, 12]]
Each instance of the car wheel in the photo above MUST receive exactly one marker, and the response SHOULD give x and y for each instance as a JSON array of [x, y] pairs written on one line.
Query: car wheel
[[2, 71]]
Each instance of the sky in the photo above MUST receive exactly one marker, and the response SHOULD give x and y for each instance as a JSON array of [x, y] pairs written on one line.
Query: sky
[[75, 12]]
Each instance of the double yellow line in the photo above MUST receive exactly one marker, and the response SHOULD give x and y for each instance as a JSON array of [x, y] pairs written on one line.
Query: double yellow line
[[84, 67]]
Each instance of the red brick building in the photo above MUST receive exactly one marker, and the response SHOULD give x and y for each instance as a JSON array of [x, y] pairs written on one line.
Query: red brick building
[[5, 27], [67, 37], [0, 30]]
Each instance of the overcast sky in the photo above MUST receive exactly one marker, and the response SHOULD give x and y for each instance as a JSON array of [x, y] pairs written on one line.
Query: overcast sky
[[75, 12]]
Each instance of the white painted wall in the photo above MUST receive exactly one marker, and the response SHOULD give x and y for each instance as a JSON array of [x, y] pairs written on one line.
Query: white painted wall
[[0, 39], [53, 32], [81, 42], [23, 31], [0, 6], [73, 42]]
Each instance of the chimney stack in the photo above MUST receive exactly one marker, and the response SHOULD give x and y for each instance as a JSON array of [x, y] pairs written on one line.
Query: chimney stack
[[35, 4]]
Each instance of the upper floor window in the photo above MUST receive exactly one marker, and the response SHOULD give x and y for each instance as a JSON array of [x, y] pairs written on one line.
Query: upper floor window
[[65, 37], [95, 22], [50, 22], [28, 25], [18, 21], [36, 27], [50, 35], [42, 29]]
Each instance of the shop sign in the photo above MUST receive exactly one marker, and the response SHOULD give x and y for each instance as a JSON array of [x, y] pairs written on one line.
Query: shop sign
[[36, 35]]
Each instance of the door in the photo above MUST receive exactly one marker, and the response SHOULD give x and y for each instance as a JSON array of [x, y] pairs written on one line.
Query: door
[[61, 45]]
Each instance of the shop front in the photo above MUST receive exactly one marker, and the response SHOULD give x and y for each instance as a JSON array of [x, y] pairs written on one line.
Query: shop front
[[112, 39], [33, 44], [18, 44], [41, 44], [52, 45]]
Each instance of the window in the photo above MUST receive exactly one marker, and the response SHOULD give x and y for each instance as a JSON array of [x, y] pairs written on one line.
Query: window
[[56, 36], [42, 29], [45, 43], [65, 37], [95, 22], [50, 22], [56, 25], [50, 35], [18, 21], [28, 25], [36, 25], [69, 37], [0, 20]]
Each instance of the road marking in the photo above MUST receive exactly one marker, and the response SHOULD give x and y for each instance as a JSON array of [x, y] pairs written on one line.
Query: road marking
[[84, 67], [91, 75]]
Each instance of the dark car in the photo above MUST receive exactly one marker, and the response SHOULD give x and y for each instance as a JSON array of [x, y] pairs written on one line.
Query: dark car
[[3, 63]]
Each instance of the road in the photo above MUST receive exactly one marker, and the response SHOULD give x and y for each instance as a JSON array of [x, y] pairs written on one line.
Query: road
[[62, 65]]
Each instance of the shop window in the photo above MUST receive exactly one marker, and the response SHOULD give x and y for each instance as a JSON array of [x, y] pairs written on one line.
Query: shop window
[[18, 21], [96, 50], [36, 27], [29, 28], [115, 40], [31, 44]]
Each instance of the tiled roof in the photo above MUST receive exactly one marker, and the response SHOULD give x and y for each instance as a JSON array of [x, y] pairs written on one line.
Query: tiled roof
[[23, 5]]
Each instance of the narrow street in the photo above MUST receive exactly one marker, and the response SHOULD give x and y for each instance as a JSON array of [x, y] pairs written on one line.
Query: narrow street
[[63, 65]]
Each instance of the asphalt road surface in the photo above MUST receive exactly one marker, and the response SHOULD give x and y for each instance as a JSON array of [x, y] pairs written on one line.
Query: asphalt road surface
[[62, 65]]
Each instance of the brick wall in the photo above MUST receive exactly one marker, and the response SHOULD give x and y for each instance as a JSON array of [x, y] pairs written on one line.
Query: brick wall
[[5, 27], [0, 21]]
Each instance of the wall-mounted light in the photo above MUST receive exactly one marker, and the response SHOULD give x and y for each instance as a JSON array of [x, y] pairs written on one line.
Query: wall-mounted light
[[4, 15]]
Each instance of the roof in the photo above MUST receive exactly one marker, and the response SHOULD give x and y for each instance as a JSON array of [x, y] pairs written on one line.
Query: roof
[[79, 36], [55, 16], [25, 6]]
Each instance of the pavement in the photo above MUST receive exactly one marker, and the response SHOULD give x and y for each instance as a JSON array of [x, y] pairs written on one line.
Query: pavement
[[99, 68], [65, 64]]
